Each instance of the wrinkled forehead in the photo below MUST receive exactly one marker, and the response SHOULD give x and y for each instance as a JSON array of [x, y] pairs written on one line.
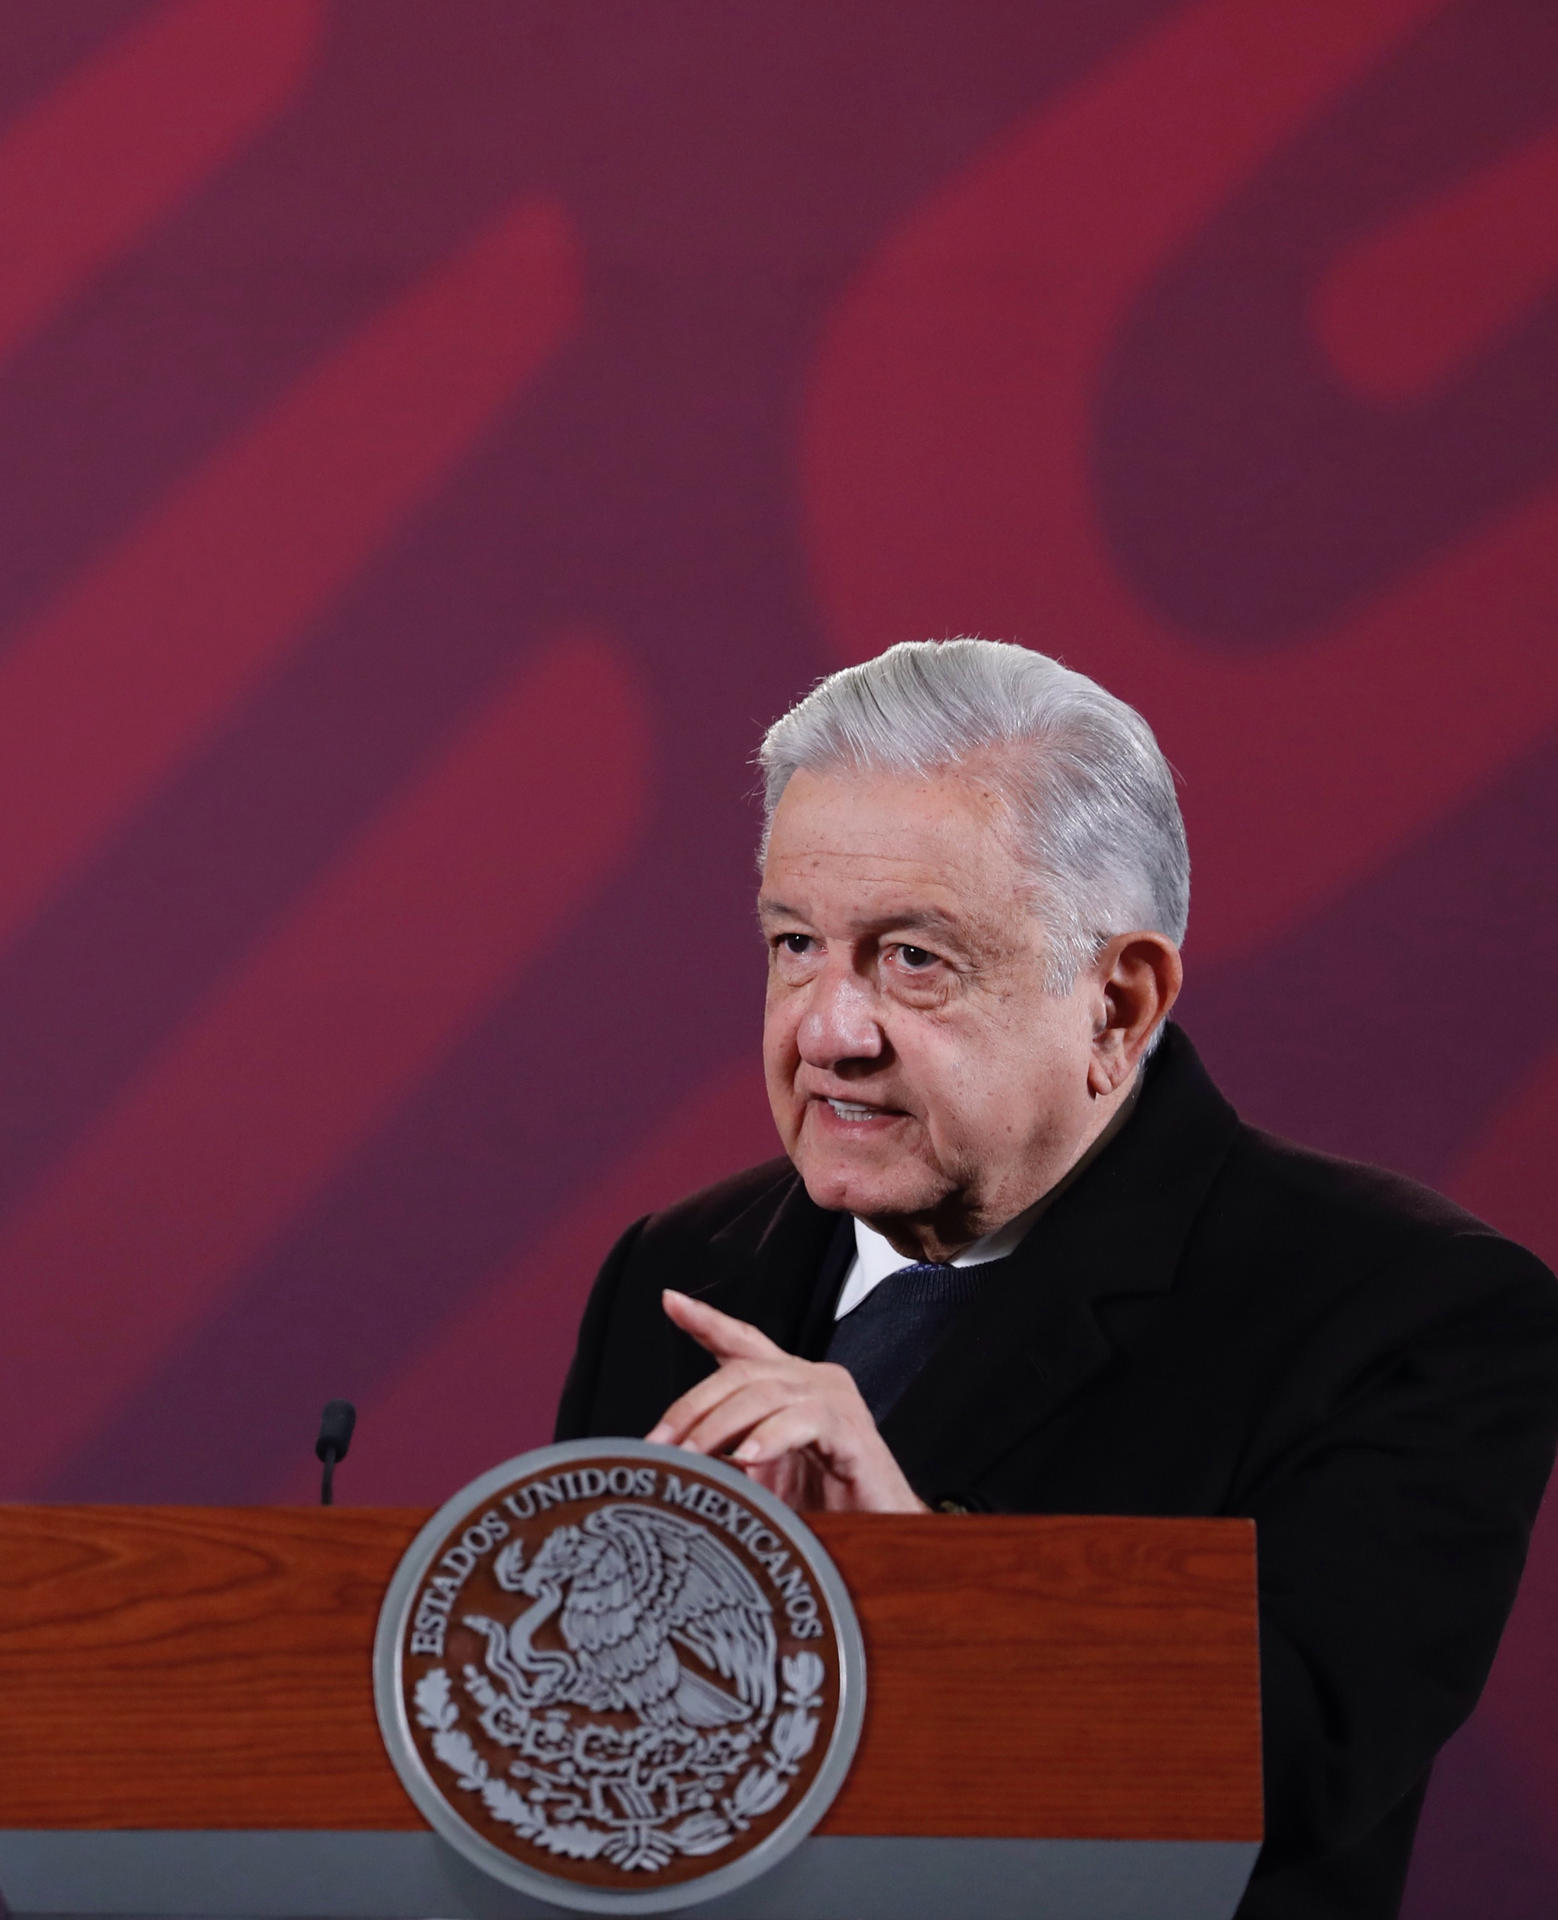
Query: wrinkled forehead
[[873, 845], [967, 805]]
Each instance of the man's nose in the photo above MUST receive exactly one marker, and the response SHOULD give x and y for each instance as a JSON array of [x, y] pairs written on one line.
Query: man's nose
[[840, 1022]]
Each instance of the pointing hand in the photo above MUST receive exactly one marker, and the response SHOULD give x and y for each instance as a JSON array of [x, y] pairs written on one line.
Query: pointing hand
[[797, 1427]]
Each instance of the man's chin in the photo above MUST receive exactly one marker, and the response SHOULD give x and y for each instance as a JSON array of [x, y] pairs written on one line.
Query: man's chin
[[870, 1194]]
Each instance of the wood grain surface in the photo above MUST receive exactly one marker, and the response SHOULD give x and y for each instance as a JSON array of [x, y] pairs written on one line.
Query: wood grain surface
[[186, 1667], [1071, 1676]]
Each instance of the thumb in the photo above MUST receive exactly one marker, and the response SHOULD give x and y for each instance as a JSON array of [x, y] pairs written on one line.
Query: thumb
[[726, 1338]]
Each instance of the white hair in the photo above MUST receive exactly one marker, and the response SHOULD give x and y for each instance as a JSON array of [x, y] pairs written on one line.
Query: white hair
[[1091, 795]]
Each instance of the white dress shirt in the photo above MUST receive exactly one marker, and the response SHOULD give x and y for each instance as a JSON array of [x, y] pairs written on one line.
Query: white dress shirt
[[877, 1257]]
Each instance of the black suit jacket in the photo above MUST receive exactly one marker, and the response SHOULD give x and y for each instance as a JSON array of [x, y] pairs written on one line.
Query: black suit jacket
[[1209, 1321]]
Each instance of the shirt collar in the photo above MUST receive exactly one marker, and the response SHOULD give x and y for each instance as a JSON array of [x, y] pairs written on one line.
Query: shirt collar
[[878, 1257]]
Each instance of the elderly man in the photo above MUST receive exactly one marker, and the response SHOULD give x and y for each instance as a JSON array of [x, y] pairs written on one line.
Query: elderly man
[[1023, 1257]]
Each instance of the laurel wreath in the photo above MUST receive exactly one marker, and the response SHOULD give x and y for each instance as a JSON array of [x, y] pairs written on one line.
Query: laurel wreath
[[757, 1792]]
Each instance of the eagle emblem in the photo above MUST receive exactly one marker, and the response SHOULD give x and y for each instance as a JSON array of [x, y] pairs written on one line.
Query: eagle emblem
[[656, 1616], [619, 1668]]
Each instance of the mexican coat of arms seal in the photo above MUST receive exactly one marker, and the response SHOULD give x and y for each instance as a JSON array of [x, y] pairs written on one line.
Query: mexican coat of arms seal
[[619, 1676]]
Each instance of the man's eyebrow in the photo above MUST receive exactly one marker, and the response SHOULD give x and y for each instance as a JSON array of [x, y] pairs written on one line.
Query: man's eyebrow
[[923, 919], [777, 910], [910, 920]]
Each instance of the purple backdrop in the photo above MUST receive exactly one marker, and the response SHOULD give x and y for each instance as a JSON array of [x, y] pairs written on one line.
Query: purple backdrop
[[436, 440]]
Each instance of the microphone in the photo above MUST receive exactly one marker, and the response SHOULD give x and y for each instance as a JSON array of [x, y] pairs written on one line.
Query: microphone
[[335, 1436]]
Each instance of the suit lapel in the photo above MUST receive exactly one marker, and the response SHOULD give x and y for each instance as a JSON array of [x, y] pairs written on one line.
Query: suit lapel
[[777, 1266], [1032, 1338]]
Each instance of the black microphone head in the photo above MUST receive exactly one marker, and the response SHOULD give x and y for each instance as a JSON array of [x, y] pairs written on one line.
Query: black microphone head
[[335, 1430]]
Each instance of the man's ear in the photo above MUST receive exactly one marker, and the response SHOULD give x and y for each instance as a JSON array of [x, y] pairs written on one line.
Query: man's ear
[[1138, 977]]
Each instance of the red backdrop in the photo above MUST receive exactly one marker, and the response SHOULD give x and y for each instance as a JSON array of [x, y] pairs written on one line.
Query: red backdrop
[[436, 439]]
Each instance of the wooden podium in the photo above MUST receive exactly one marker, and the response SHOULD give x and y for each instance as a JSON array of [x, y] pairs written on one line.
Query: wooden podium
[[1062, 1719]]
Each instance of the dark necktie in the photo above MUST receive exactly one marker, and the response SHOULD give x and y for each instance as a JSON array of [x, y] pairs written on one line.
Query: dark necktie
[[892, 1333]]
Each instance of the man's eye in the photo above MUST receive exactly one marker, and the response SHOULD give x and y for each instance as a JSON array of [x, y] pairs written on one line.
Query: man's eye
[[797, 943], [916, 958]]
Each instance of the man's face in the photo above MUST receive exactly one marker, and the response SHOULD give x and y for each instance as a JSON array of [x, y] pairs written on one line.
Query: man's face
[[920, 1074]]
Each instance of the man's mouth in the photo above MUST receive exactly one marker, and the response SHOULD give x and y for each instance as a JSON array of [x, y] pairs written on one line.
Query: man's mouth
[[854, 1110]]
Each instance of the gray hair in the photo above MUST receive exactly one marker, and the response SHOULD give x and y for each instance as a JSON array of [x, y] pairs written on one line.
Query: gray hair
[[1091, 796]]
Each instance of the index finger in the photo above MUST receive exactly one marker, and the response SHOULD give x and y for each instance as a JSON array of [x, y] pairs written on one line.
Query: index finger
[[724, 1336]]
